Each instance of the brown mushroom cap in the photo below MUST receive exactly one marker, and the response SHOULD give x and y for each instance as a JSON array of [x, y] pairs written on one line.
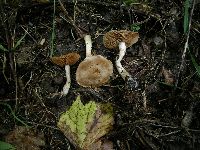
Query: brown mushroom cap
[[67, 59], [112, 38], [94, 71]]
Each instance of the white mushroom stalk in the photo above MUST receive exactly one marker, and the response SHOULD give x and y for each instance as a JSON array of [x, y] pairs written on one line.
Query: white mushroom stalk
[[122, 50], [121, 39], [67, 85], [65, 61], [88, 43], [131, 82]]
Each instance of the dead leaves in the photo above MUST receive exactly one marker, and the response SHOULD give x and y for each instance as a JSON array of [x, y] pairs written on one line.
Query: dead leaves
[[168, 76], [84, 125], [25, 138]]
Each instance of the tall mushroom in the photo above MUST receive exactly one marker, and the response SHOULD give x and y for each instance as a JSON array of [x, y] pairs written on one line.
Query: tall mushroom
[[65, 61], [93, 71], [121, 40]]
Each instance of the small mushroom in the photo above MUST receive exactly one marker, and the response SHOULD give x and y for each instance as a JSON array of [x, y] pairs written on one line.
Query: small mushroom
[[65, 61], [121, 40], [93, 71]]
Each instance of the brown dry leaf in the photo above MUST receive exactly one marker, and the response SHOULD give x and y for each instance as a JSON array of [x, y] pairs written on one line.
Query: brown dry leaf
[[169, 77], [101, 145], [101, 125], [25, 139]]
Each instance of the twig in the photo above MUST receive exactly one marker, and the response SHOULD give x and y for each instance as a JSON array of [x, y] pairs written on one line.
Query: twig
[[75, 3], [42, 103], [70, 20], [29, 34], [42, 125], [186, 44], [144, 98], [168, 134], [31, 76], [10, 99]]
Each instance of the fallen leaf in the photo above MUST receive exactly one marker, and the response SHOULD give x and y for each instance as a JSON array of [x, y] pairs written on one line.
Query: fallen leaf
[[84, 125], [25, 138], [169, 78]]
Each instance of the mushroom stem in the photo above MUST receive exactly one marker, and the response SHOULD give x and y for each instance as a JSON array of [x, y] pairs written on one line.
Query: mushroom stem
[[68, 82], [124, 74], [88, 44], [131, 82], [122, 50]]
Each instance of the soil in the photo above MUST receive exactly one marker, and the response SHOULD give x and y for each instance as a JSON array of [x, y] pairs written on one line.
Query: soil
[[161, 113]]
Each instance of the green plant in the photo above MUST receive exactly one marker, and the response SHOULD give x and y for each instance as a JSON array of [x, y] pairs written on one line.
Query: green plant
[[186, 26], [13, 114], [197, 67], [135, 27], [186, 16], [6, 146], [3, 49]]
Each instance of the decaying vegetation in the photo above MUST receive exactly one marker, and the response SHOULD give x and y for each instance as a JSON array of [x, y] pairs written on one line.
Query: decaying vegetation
[[161, 112]]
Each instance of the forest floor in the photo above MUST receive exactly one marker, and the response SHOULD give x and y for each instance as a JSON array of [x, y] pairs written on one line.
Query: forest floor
[[161, 113]]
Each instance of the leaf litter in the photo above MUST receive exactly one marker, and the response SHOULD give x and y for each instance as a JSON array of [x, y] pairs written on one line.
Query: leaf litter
[[85, 125], [154, 116]]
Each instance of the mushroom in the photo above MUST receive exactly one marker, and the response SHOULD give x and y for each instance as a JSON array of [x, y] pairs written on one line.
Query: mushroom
[[121, 40], [65, 61], [93, 71]]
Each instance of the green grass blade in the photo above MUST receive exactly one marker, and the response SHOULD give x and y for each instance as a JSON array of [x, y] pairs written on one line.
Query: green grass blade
[[6, 146], [186, 16], [2, 48], [12, 112], [53, 30], [197, 67], [19, 42]]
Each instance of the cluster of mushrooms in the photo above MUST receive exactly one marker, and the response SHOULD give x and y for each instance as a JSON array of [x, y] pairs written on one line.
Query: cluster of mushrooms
[[96, 70]]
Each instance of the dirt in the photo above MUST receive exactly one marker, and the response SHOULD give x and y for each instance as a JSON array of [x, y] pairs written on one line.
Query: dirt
[[155, 115]]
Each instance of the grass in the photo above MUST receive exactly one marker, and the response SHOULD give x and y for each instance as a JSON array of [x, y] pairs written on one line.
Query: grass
[[197, 67], [186, 28], [186, 16], [3, 49], [53, 31], [6, 50], [13, 114]]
